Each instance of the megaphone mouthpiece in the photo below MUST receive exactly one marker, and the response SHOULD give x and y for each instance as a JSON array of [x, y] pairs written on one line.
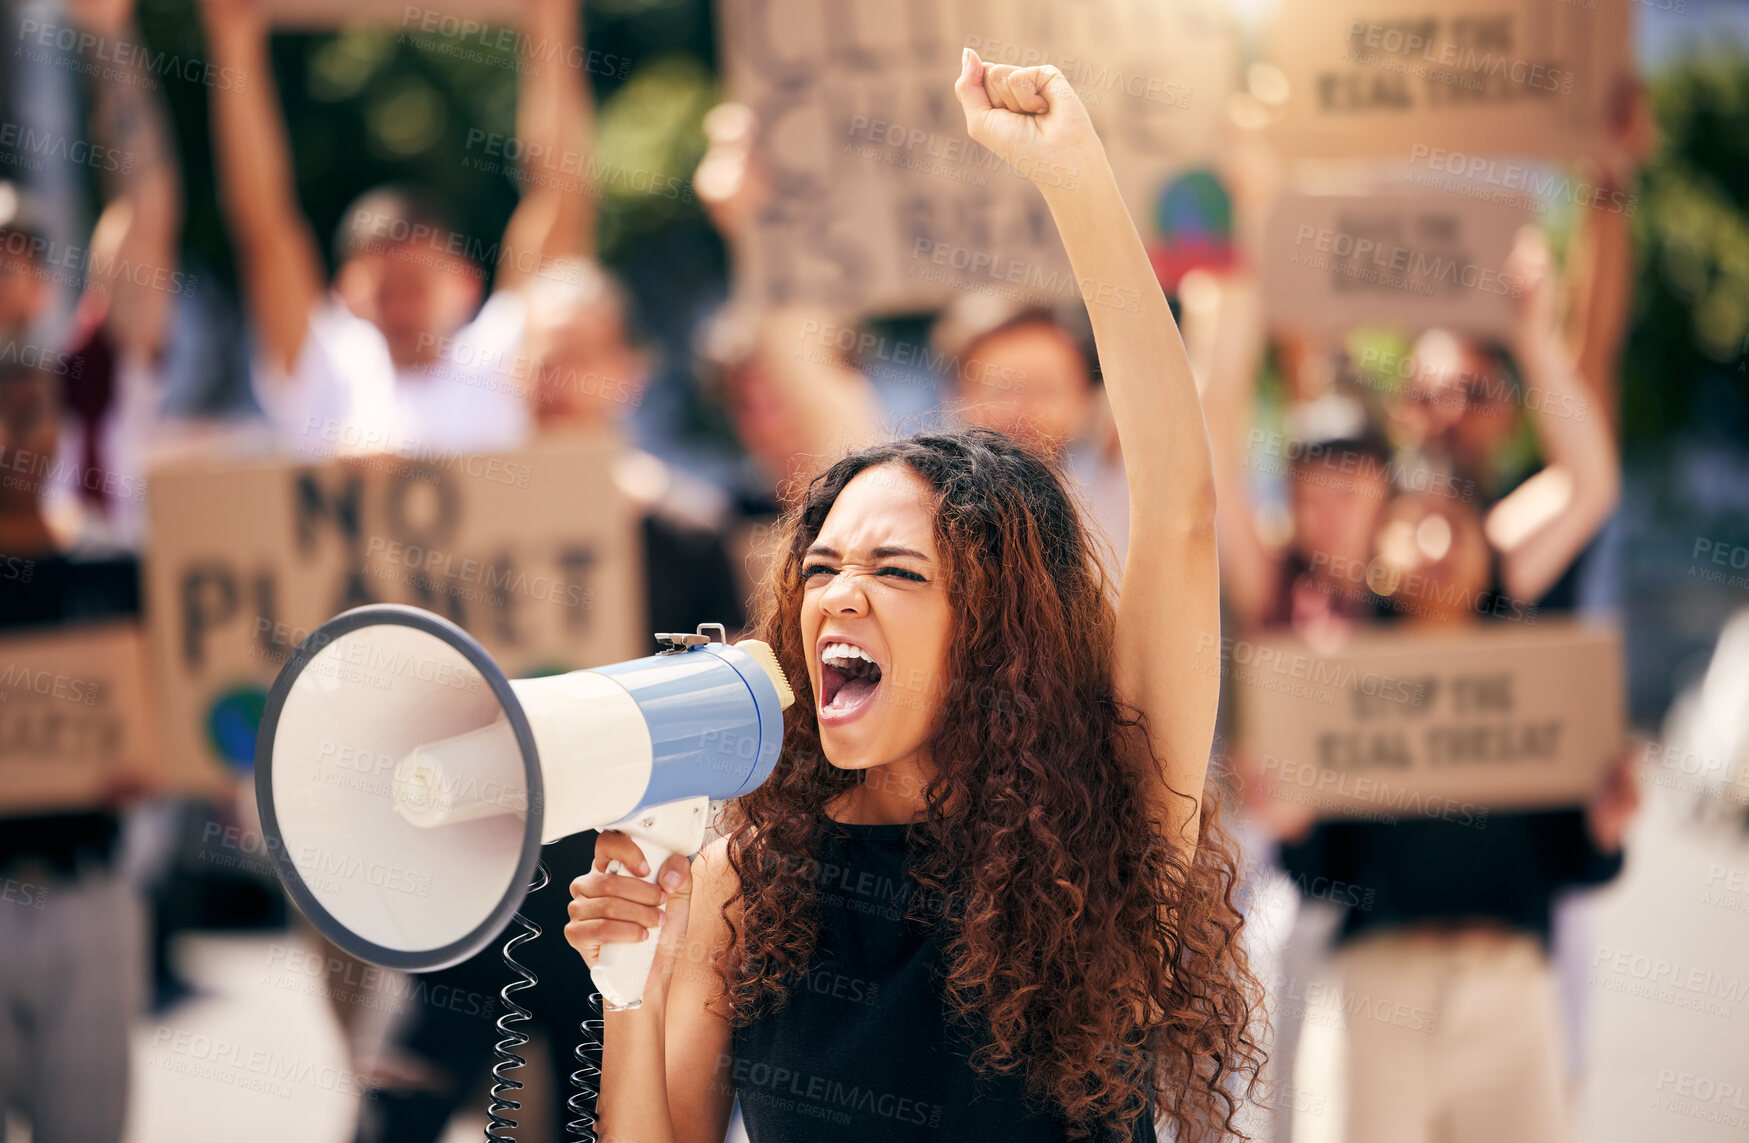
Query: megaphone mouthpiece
[[435, 783], [760, 652]]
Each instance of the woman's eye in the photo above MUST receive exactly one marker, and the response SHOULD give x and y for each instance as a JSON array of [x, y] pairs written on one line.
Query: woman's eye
[[903, 573], [813, 570]]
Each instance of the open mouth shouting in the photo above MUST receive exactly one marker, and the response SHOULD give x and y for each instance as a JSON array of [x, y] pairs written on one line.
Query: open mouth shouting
[[849, 678]]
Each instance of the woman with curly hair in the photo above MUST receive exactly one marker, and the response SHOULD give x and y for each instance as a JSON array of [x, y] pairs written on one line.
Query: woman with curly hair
[[984, 895]]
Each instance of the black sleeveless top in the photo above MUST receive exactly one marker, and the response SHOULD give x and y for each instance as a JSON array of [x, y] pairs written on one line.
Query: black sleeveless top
[[864, 1047]]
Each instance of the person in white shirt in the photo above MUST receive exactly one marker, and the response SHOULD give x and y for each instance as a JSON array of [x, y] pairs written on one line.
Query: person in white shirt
[[386, 358]]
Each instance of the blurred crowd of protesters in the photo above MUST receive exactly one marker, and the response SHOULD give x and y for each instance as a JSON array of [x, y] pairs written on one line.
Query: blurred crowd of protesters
[[1403, 508], [1405, 503]]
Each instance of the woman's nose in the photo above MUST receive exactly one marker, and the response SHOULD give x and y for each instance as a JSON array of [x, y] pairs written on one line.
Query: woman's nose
[[844, 596]]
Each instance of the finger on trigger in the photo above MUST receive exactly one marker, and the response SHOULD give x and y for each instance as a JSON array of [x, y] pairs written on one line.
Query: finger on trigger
[[611, 845]]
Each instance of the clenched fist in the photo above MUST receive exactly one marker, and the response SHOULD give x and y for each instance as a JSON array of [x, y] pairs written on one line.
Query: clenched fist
[[1029, 116]]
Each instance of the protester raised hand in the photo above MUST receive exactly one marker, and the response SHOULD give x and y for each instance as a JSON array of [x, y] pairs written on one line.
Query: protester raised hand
[[226, 20], [1530, 268], [1029, 117], [103, 17]]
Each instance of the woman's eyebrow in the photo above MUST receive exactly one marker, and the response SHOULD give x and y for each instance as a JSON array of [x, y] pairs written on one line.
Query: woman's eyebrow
[[885, 552], [880, 553]]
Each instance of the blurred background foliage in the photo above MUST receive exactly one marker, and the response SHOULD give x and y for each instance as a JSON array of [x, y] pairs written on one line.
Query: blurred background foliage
[[371, 105], [1687, 364]]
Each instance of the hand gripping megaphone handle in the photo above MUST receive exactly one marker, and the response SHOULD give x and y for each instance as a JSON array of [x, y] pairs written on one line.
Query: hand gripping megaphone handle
[[659, 831]]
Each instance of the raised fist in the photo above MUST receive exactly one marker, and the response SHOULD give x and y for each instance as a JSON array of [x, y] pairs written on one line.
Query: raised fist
[[1029, 116]]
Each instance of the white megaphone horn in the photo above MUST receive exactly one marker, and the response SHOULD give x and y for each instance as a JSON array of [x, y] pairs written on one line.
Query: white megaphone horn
[[406, 785]]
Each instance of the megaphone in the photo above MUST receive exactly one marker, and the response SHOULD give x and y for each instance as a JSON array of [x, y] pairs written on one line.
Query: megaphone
[[406, 785]]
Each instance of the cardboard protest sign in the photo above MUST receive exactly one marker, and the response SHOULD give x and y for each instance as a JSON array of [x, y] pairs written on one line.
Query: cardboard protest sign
[[1416, 260], [479, 20], [535, 554], [1405, 724], [76, 724], [1494, 77], [880, 202]]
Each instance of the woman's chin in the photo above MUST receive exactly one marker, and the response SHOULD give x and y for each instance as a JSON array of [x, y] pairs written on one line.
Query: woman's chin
[[851, 752], [843, 757]]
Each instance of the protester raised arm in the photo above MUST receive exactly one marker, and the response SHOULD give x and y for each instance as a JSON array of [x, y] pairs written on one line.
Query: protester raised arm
[[1169, 612], [142, 214], [830, 406], [1542, 525], [1599, 279], [555, 216], [277, 252], [1224, 331]]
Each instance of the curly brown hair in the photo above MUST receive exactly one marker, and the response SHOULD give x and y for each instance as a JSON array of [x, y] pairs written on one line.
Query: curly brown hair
[[1096, 956]]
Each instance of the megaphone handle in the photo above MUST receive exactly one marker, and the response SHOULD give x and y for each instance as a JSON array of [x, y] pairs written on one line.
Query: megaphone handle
[[659, 832]]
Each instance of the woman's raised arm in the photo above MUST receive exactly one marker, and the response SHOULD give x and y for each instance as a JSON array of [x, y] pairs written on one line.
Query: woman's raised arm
[[1168, 635]]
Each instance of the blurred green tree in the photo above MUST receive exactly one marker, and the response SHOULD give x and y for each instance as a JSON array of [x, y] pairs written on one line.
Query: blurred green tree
[[371, 105], [1686, 366]]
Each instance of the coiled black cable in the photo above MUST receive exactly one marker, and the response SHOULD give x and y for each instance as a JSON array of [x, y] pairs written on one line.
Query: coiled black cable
[[585, 1102], [513, 1037], [586, 1079]]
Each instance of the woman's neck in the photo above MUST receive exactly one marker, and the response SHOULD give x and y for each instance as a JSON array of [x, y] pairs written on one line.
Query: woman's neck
[[890, 794]]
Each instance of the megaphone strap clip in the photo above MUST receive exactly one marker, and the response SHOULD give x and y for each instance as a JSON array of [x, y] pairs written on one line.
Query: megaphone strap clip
[[680, 641]]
